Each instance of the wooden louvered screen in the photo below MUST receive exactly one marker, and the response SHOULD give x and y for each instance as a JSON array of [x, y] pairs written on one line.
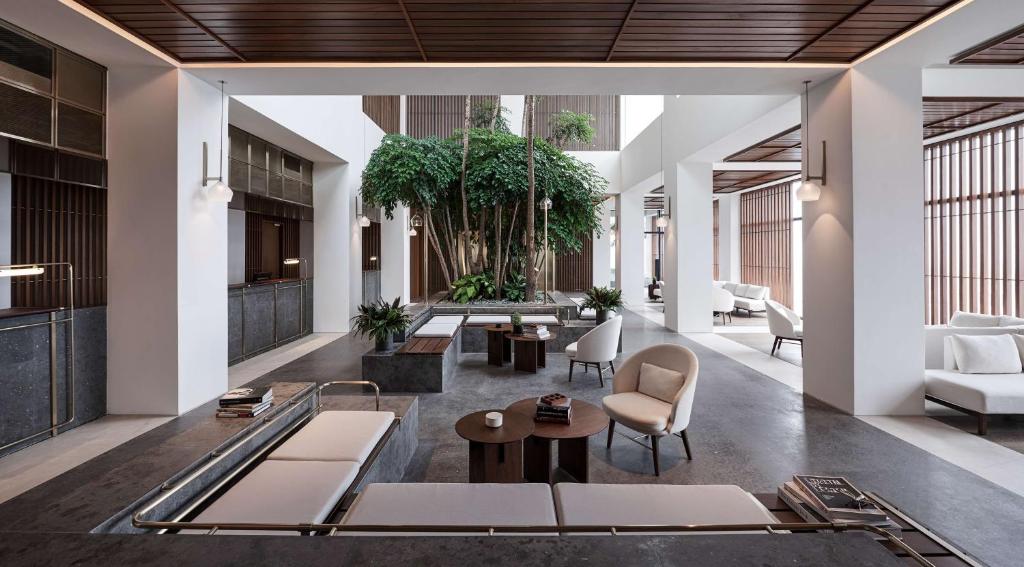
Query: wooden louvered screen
[[973, 225], [714, 239], [371, 247], [58, 222], [604, 108], [766, 251], [438, 115], [385, 111], [574, 271]]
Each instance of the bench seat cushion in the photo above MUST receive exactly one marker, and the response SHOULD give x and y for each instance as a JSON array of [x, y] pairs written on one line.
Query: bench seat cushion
[[336, 436], [453, 504], [282, 492], [983, 393], [656, 504], [541, 320], [445, 319], [588, 314], [750, 304], [437, 330], [489, 320]]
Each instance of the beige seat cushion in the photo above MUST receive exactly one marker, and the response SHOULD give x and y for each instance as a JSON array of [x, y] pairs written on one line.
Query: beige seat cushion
[[445, 320], [984, 393], [282, 492], [336, 436], [656, 504], [570, 350], [540, 320], [453, 504], [638, 411], [660, 383], [488, 319]]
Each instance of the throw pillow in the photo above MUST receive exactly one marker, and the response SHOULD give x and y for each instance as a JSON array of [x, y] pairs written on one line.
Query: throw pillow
[[986, 354], [756, 291], [660, 383], [963, 319]]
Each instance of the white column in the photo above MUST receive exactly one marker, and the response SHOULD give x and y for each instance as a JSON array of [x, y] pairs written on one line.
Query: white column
[[602, 261], [516, 107], [394, 249], [336, 239], [167, 296], [629, 246], [863, 250], [688, 247], [729, 238]]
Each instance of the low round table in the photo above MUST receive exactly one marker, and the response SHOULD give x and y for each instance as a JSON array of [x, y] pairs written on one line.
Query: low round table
[[573, 456], [499, 348], [495, 453], [529, 350]]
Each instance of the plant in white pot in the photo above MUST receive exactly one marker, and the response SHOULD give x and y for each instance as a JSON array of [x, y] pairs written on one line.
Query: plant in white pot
[[603, 300], [381, 321]]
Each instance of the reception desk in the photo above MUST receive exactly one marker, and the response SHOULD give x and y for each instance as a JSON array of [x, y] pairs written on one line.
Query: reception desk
[[265, 315]]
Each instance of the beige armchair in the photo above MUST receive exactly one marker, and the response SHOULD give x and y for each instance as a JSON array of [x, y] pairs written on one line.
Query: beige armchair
[[601, 345], [658, 406]]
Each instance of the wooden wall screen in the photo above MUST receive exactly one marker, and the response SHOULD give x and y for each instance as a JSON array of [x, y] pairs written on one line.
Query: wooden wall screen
[[254, 245], [766, 251], [574, 271], [714, 239], [437, 115], [385, 111], [973, 250], [604, 108], [371, 247], [58, 222]]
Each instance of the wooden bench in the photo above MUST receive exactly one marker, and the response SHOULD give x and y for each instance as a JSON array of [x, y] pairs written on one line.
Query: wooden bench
[[424, 345]]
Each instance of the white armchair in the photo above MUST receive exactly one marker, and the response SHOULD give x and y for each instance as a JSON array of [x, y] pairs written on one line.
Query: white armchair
[[785, 324], [655, 405], [723, 302], [597, 346]]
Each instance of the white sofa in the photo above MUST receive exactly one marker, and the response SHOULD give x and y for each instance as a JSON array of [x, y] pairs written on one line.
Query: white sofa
[[749, 297], [980, 395], [963, 323]]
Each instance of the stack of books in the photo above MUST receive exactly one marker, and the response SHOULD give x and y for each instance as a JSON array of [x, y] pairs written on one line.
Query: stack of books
[[554, 408], [833, 499], [246, 402], [542, 332]]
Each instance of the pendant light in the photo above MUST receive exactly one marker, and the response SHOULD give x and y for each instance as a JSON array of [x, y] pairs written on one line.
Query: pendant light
[[809, 190], [220, 192]]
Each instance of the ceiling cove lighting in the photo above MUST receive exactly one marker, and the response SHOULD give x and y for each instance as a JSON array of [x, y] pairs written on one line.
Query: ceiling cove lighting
[[19, 271], [220, 192], [809, 190]]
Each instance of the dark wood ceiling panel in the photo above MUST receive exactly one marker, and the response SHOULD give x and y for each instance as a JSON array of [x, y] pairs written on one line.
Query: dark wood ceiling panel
[[1005, 49], [517, 30], [784, 146], [732, 181], [945, 115]]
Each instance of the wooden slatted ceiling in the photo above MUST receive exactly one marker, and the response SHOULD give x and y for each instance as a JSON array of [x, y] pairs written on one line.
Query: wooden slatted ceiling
[[732, 181], [784, 146], [517, 30], [944, 115], [1005, 49]]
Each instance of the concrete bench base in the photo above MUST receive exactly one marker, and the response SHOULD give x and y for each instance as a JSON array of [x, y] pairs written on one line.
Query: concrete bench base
[[397, 372], [474, 338]]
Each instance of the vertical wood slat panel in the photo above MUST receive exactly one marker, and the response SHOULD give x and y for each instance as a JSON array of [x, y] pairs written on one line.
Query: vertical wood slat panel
[[714, 238], [604, 109], [766, 222], [574, 271], [385, 111], [972, 224], [371, 247], [438, 115]]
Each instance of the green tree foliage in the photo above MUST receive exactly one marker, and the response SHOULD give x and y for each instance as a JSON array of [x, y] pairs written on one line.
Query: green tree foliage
[[488, 112], [568, 127], [412, 172]]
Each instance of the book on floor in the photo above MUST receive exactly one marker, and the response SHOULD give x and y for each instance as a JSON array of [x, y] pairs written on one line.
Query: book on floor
[[240, 396]]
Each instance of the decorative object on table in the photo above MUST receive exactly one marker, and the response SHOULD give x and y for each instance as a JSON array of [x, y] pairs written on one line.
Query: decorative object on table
[[493, 419], [381, 321], [603, 300], [554, 408], [517, 323], [245, 402], [834, 499], [541, 331]]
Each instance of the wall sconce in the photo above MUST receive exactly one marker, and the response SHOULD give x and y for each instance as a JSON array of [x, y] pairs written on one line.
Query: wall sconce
[[373, 258], [364, 221], [809, 190], [416, 221], [220, 192], [664, 214]]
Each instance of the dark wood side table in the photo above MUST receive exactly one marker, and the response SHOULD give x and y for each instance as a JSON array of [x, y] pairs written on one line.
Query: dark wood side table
[[573, 456], [495, 453], [499, 348], [529, 350]]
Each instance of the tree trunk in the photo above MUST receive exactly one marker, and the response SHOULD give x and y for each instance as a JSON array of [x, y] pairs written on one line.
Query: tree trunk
[[429, 221], [499, 279], [531, 206], [462, 185], [481, 244], [452, 240], [496, 113], [511, 231]]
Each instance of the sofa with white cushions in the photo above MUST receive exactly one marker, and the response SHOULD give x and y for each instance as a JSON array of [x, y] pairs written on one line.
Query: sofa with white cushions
[[749, 297], [982, 375], [963, 323]]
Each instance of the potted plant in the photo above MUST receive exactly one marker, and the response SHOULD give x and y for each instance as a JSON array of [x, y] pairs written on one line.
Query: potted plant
[[380, 321], [603, 300], [517, 323]]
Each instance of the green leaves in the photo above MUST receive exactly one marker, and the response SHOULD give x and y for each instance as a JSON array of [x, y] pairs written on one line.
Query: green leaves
[[569, 127], [473, 286], [603, 299], [380, 319], [515, 287], [410, 171]]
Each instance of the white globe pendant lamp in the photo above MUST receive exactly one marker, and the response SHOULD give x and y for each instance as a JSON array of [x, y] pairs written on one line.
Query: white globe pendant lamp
[[219, 192], [809, 190]]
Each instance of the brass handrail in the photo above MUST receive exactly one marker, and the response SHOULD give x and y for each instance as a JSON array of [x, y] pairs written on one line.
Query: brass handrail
[[374, 385]]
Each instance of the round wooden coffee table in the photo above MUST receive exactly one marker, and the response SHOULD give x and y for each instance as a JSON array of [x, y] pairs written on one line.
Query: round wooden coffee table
[[573, 456], [529, 350], [495, 453], [499, 348]]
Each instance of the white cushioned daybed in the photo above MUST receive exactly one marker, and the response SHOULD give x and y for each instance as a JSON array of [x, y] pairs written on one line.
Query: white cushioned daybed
[[964, 323], [982, 376], [437, 330], [750, 298], [489, 320], [302, 480]]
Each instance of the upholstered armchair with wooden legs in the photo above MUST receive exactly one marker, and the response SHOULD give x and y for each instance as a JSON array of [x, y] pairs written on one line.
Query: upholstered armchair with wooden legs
[[653, 395], [598, 346]]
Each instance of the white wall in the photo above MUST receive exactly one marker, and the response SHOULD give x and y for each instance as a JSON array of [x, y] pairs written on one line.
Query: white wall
[[729, 238], [236, 246], [629, 258], [636, 112], [395, 256], [5, 236], [602, 261]]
